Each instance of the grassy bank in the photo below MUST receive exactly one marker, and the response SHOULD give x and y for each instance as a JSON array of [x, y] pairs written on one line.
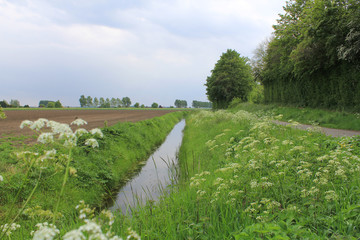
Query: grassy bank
[[94, 172], [324, 118], [244, 177]]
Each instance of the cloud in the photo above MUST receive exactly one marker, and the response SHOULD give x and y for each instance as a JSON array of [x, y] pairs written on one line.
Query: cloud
[[141, 49]]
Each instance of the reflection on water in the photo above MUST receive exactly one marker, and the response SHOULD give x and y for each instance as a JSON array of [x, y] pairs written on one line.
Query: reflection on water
[[154, 176]]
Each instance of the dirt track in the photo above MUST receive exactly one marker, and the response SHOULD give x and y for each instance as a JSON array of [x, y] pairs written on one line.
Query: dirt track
[[95, 118]]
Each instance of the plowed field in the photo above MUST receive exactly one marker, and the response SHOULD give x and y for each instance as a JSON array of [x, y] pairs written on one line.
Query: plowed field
[[95, 118]]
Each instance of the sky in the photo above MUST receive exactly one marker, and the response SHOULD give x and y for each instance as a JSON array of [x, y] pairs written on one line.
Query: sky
[[147, 50]]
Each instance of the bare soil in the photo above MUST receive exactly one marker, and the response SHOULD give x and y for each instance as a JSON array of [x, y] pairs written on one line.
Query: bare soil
[[94, 118]]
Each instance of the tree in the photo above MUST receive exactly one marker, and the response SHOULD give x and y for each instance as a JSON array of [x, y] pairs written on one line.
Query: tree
[[4, 104], [96, 102], [180, 103], [102, 101], [230, 78], [119, 103], [137, 105], [126, 101], [51, 105], [58, 104], [89, 101], [154, 105], [82, 101], [14, 103], [258, 60], [113, 102]]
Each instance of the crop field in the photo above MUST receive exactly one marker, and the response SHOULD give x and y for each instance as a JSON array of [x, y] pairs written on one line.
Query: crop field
[[94, 117]]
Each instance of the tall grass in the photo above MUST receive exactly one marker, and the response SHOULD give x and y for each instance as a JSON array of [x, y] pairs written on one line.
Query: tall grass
[[88, 174], [322, 117], [244, 177]]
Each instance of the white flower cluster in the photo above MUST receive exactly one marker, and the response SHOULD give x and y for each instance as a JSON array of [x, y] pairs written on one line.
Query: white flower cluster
[[63, 131], [8, 229], [45, 231]]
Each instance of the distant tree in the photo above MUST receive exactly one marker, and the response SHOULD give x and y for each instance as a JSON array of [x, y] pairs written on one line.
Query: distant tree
[[154, 105], [136, 105], [102, 101], [230, 78], [180, 103], [89, 101], [96, 102], [258, 60], [113, 102], [14, 103], [58, 104], [51, 105], [126, 101], [4, 104], [142, 106], [41, 105], [82, 101], [199, 104], [26, 106], [119, 103]]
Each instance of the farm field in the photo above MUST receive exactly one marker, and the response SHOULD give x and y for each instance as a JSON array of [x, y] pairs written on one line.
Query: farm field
[[94, 117]]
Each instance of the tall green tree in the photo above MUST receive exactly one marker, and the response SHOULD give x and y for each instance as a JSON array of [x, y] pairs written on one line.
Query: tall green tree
[[126, 101], [96, 102], [231, 78], [82, 101]]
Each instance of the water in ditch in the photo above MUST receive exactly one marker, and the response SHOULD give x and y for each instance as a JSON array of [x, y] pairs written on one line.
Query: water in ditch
[[154, 176]]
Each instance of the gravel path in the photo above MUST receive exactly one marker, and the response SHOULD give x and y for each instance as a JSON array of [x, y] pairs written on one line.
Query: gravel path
[[326, 131]]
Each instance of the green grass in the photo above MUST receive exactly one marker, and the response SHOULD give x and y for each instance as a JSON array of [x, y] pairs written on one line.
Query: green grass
[[244, 177], [99, 172], [325, 118]]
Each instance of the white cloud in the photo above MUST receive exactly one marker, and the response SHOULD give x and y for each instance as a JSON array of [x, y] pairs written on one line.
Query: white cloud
[[164, 47]]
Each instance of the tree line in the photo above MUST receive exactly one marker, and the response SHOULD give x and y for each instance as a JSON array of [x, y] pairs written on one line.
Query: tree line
[[313, 58], [104, 102]]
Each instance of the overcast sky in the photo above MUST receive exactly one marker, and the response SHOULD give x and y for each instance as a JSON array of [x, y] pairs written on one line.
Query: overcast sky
[[148, 50]]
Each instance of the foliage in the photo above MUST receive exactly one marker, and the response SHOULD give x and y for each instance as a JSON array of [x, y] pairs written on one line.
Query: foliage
[[257, 94], [2, 114], [58, 104], [45, 103], [199, 104], [313, 58], [104, 103], [230, 78], [4, 104], [311, 116], [137, 105], [95, 173], [14, 103], [243, 177], [154, 105], [126, 102], [180, 103]]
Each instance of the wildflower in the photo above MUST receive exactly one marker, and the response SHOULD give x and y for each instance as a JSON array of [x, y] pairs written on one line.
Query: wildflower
[[45, 231], [74, 235], [331, 195], [79, 122], [132, 235], [61, 128], [26, 123], [253, 183], [81, 131], [38, 124], [9, 229], [46, 138], [92, 142], [97, 132]]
